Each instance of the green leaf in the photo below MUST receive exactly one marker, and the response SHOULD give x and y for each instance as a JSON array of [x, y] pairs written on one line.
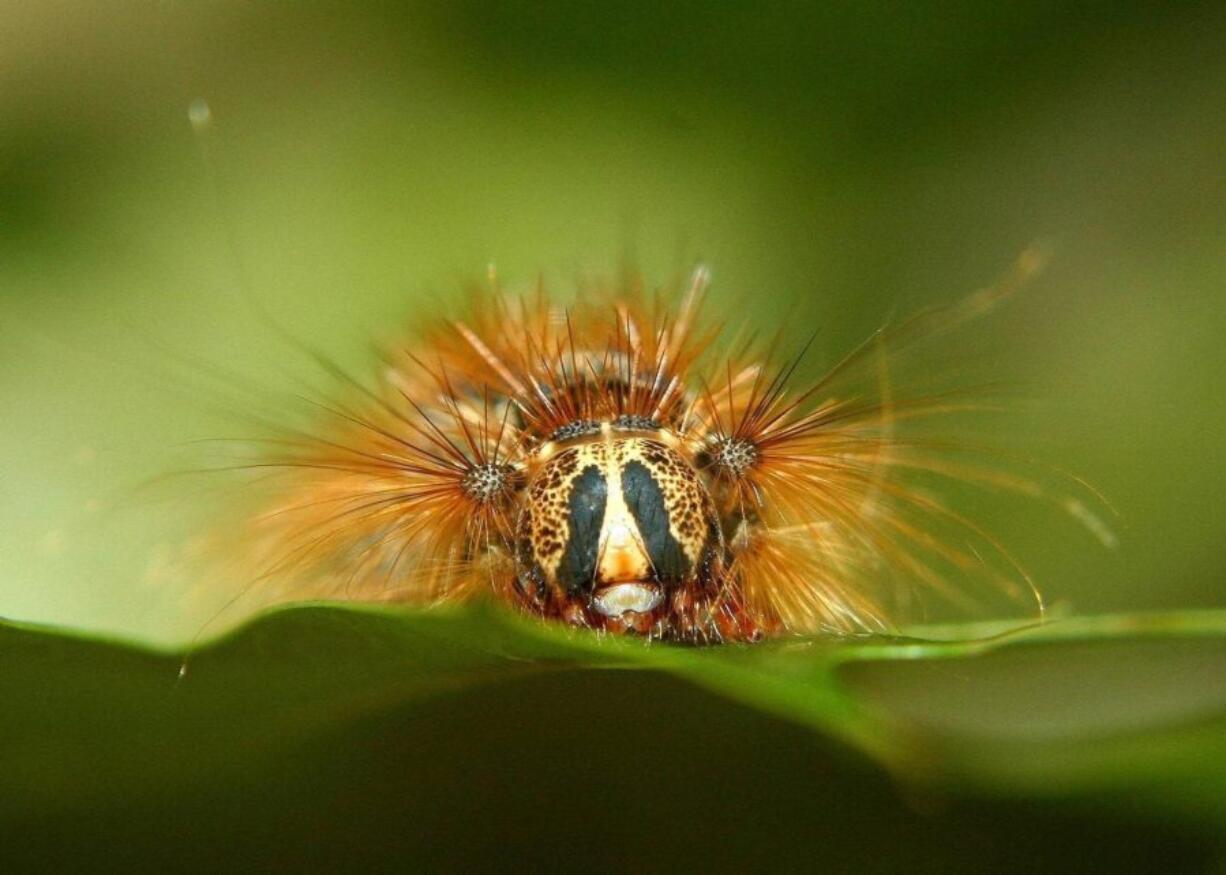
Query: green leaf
[[451, 734]]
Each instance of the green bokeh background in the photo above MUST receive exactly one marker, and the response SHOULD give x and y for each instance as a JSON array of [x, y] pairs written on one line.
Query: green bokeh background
[[833, 164]]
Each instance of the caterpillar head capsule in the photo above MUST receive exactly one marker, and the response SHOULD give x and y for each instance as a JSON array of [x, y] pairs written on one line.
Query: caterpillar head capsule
[[618, 532]]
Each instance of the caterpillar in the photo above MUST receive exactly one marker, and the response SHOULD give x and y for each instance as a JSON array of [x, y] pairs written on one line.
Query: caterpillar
[[622, 465]]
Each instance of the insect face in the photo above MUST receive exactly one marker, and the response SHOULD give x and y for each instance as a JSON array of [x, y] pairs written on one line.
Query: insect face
[[617, 531]]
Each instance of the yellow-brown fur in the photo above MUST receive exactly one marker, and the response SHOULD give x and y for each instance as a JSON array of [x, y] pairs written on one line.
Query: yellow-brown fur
[[775, 509]]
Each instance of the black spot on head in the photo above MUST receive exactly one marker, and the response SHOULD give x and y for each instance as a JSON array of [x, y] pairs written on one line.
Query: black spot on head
[[588, 495], [646, 504]]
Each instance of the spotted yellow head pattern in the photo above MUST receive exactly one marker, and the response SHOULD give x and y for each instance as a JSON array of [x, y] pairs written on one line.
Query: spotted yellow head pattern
[[616, 523]]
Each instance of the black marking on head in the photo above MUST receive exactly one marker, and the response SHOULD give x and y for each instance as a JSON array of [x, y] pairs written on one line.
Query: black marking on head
[[627, 422], [646, 504], [578, 428], [588, 495]]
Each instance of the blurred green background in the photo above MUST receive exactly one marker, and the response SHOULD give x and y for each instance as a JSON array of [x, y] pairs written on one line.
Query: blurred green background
[[351, 166], [836, 163]]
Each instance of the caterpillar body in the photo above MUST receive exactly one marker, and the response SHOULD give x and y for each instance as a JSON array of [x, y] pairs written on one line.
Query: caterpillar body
[[621, 465]]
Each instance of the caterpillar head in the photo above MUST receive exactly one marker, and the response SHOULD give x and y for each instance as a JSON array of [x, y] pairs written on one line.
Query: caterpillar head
[[618, 531]]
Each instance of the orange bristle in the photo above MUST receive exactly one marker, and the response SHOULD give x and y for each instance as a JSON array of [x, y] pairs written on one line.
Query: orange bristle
[[820, 508]]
